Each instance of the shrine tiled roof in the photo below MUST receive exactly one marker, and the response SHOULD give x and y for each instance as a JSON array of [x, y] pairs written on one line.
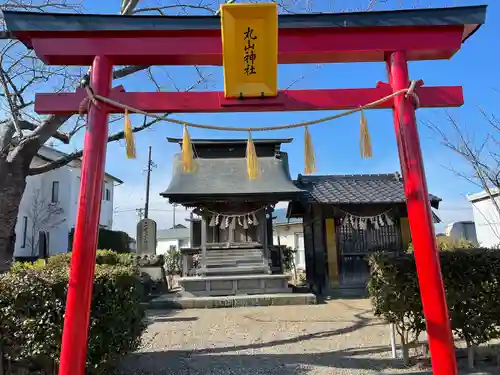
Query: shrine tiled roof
[[355, 189]]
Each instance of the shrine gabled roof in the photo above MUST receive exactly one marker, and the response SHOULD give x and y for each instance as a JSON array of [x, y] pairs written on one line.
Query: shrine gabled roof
[[227, 178], [26, 25], [356, 189]]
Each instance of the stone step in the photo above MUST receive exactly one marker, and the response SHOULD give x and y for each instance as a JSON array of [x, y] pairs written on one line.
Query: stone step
[[222, 260], [234, 253], [211, 302], [233, 265], [234, 258], [260, 269]]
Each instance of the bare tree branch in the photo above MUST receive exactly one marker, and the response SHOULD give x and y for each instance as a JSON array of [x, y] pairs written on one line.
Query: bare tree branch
[[78, 154], [481, 156], [161, 9], [128, 70], [43, 215]]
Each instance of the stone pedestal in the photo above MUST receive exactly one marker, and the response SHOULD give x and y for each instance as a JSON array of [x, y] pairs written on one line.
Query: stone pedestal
[[234, 285]]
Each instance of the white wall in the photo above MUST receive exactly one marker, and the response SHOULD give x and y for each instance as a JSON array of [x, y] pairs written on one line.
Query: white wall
[[60, 226], [292, 236], [163, 246], [487, 222], [106, 216]]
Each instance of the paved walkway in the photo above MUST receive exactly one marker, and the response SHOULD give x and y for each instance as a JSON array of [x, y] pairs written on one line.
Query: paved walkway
[[341, 337]]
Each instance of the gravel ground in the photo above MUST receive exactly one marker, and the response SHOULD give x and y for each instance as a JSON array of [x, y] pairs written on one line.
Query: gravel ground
[[341, 337]]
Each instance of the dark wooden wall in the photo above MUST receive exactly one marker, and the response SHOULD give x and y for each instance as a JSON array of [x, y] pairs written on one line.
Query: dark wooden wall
[[315, 251], [315, 236]]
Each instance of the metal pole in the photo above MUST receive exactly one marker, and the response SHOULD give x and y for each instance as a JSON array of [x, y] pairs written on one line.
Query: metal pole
[[173, 209], [419, 214], [148, 180], [76, 321], [394, 351]]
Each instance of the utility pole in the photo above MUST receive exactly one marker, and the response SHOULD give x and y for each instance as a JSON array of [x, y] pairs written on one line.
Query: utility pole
[[151, 165], [174, 206]]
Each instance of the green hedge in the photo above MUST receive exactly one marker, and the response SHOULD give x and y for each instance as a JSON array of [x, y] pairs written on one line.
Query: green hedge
[[32, 305], [472, 283], [108, 257], [108, 239]]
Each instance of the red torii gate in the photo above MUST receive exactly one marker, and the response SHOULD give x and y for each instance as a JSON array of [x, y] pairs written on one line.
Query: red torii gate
[[393, 37]]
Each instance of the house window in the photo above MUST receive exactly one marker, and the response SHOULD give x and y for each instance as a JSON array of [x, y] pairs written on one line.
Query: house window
[[25, 231], [173, 248], [55, 191], [108, 195]]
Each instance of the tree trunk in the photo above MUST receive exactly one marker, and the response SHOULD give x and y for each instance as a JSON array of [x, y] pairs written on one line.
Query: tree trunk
[[405, 349], [471, 351], [12, 184]]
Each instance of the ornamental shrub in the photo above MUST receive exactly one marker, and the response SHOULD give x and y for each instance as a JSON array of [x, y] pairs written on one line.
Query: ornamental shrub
[[472, 284], [445, 243], [32, 305], [108, 257], [173, 263]]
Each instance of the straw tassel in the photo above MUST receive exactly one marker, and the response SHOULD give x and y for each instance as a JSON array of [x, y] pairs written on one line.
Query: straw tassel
[[129, 137], [309, 155], [365, 143], [252, 161], [187, 152]]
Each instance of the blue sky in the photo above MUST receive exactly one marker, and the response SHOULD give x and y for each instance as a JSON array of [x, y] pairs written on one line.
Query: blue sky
[[336, 142]]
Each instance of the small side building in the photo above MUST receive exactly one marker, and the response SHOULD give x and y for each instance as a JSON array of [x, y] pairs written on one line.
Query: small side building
[[486, 217], [345, 219], [173, 239]]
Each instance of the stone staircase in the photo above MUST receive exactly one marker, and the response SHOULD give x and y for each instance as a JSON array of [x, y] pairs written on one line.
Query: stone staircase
[[242, 269], [235, 261]]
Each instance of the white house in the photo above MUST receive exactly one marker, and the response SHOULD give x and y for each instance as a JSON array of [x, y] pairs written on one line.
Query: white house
[[289, 232], [173, 239], [486, 217], [49, 205]]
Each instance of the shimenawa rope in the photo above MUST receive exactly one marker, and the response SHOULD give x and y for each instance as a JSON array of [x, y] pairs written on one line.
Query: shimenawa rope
[[410, 91], [251, 155]]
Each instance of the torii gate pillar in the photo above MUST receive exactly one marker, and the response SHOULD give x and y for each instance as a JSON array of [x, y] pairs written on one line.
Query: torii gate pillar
[[76, 321], [419, 215]]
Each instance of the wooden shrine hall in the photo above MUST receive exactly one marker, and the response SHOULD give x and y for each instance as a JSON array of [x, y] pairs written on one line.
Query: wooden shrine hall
[[234, 233], [345, 219]]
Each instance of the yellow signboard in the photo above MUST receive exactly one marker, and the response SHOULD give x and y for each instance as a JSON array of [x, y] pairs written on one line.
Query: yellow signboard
[[250, 49]]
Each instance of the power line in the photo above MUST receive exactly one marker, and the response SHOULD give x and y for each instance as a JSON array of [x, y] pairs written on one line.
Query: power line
[[141, 209]]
